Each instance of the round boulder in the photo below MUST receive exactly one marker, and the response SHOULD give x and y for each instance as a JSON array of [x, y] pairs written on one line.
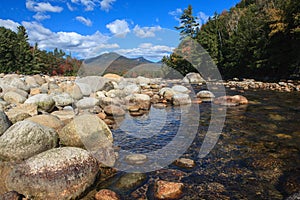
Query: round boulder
[[44, 102], [25, 139], [60, 173]]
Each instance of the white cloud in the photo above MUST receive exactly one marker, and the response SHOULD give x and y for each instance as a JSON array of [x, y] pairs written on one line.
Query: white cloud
[[119, 28], [83, 20], [42, 7], [40, 16], [82, 45], [70, 7], [202, 18], [9, 24], [106, 4], [146, 32], [176, 12], [147, 50], [89, 4]]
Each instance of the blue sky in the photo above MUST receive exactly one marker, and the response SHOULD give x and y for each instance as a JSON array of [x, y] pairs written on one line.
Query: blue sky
[[87, 28]]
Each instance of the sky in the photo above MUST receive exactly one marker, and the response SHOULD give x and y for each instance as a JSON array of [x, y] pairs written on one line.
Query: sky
[[88, 28]]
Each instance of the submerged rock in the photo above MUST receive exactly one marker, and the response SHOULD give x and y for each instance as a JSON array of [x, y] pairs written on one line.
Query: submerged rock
[[61, 173], [168, 190], [231, 100], [25, 139], [105, 194]]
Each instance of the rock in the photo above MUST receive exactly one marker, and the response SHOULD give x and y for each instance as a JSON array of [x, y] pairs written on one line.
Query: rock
[[60, 173], [50, 121], [105, 194], [231, 100], [295, 196], [140, 100], [5, 123], [35, 91], [15, 81], [13, 98], [113, 77], [15, 115], [95, 83], [193, 78], [12, 195], [31, 82], [28, 108], [86, 103], [168, 190], [136, 159], [143, 80], [85, 88], [181, 99], [130, 181], [64, 115], [25, 139], [89, 132], [131, 89], [114, 110], [73, 90], [38, 79], [205, 94], [44, 102], [180, 89], [63, 99], [185, 163], [115, 93]]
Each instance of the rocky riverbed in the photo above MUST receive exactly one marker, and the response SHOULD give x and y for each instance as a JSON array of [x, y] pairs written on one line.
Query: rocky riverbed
[[61, 138]]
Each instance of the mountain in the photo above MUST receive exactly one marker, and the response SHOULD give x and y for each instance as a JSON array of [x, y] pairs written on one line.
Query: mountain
[[117, 64]]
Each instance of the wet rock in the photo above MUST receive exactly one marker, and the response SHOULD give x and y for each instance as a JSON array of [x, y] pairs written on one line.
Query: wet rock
[[185, 163], [5, 123], [205, 94], [13, 98], [130, 181], [140, 100], [47, 120], [105, 194], [114, 110], [61, 173], [231, 100], [168, 190], [44, 102], [181, 99], [86, 103], [136, 159], [63, 99], [193, 78], [276, 117], [25, 139], [180, 89]]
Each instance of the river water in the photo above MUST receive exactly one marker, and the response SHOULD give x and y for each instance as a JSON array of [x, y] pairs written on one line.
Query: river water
[[257, 155]]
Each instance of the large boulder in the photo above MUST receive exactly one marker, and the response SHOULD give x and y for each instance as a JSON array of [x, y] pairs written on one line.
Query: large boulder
[[50, 121], [180, 89], [44, 102], [25, 139], [14, 81], [58, 174], [4, 122], [181, 99], [88, 102], [94, 83], [143, 101], [13, 98], [72, 89], [166, 93], [63, 99], [193, 78], [114, 110]]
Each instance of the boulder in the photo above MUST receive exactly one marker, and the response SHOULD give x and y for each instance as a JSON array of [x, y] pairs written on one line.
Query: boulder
[[39, 79], [5, 123], [13, 98], [168, 190], [166, 93], [25, 139], [95, 83], [185, 163], [114, 110], [87, 102], [58, 174], [231, 100], [44, 102], [105, 194], [63, 99], [31, 82], [143, 101], [131, 88], [113, 77], [64, 115], [15, 115], [181, 99], [180, 89], [193, 78], [72, 89], [50, 121]]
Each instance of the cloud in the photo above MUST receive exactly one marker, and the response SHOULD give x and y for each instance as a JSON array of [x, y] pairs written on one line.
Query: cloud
[[106, 4], [176, 12], [119, 28], [9, 24], [202, 18], [41, 16], [147, 50], [83, 20], [146, 32], [89, 4], [83, 46], [42, 7], [70, 7]]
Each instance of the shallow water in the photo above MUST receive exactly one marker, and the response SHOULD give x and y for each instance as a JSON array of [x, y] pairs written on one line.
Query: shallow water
[[257, 155]]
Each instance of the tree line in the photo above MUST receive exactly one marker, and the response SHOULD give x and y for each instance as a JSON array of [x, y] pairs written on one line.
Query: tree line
[[18, 56], [255, 39]]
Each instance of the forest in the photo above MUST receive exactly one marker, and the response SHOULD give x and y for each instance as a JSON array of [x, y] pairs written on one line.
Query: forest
[[255, 39]]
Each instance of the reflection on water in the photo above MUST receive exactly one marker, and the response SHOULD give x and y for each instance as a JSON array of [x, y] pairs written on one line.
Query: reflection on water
[[256, 157]]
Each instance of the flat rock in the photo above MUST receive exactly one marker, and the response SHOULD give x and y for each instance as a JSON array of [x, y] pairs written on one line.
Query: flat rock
[[58, 174], [25, 139]]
